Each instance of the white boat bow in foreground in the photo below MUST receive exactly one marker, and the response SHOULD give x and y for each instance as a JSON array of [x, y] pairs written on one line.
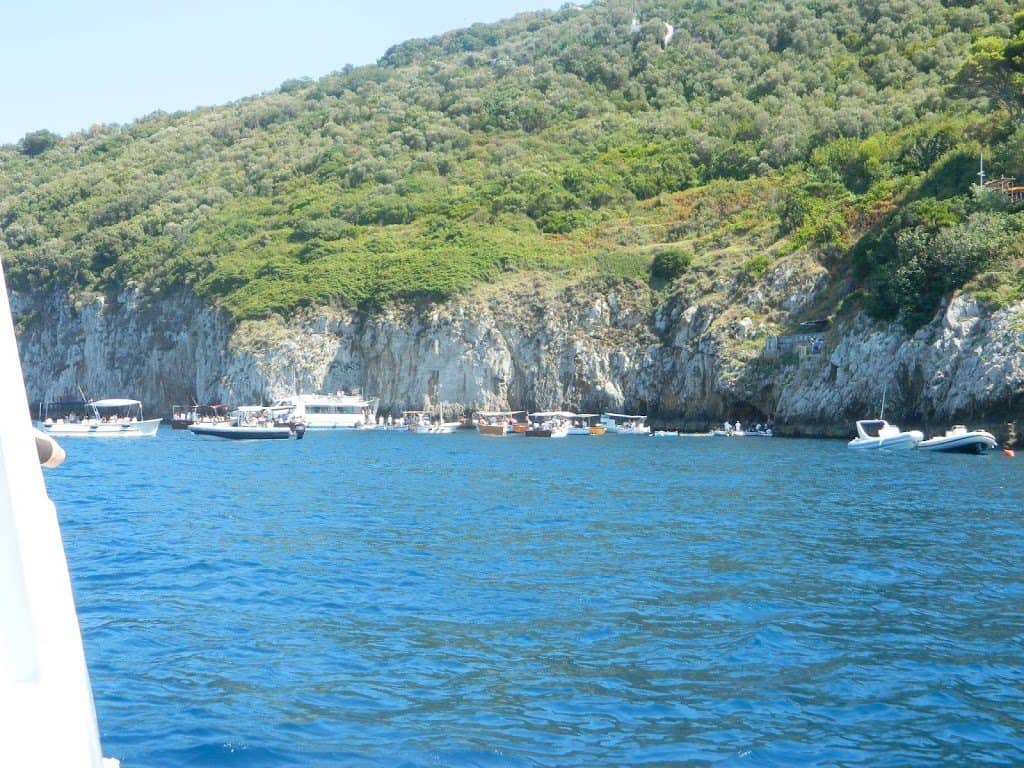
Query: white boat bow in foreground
[[48, 717]]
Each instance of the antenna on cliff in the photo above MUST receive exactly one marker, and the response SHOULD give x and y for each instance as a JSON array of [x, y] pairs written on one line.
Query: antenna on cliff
[[981, 172]]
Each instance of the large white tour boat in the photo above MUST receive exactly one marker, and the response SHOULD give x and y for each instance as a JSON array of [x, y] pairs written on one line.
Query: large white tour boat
[[337, 411]]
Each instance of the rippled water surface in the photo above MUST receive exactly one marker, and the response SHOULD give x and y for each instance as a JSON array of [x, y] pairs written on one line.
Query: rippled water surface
[[390, 599]]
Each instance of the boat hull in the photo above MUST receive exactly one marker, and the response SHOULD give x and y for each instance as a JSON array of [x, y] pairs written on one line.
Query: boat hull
[[494, 430], [597, 429], [900, 442], [230, 432], [972, 442]]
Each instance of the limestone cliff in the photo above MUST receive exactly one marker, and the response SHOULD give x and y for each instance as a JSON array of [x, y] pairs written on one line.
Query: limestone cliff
[[688, 357]]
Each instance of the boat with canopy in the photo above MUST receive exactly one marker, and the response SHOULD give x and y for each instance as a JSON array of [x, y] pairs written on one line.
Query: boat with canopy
[[625, 424], [499, 423], [111, 417]]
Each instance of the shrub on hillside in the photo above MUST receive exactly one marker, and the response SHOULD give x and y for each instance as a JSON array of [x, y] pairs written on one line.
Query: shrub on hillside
[[671, 264]]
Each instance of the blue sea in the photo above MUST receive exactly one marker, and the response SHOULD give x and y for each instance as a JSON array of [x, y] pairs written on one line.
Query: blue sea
[[391, 599]]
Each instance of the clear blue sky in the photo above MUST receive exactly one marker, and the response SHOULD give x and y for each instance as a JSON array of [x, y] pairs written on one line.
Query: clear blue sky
[[70, 64]]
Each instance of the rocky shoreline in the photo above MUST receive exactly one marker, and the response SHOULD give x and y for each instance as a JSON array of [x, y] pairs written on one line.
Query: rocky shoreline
[[686, 361]]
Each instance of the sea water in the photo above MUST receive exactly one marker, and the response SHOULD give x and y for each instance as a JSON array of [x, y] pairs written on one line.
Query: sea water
[[393, 599]]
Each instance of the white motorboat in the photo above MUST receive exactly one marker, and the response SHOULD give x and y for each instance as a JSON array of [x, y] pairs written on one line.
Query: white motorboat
[[249, 422], [958, 439], [112, 417], [665, 433], [878, 433], [422, 423], [625, 424], [337, 411]]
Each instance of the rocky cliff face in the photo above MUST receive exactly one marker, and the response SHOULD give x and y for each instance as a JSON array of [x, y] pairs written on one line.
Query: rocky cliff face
[[691, 359]]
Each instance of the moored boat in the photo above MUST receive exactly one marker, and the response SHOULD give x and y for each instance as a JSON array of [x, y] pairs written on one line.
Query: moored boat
[[625, 424], [183, 416], [249, 422], [422, 423], [498, 423], [549, 424], [586, 424], [878, 433], [337, 411], [110, 417], [958, 439]]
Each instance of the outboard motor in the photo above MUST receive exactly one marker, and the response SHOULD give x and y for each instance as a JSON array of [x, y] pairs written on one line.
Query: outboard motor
[[300, 431]]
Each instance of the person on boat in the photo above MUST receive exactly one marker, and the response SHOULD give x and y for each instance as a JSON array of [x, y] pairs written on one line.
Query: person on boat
[[739, 427]]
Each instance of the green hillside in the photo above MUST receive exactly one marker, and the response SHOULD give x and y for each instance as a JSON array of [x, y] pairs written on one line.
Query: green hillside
[[570, 143]]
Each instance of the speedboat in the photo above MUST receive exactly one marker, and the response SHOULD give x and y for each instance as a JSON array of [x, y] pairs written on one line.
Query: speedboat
[[113, 417], [958, 439], [878, 433], [249, 422]]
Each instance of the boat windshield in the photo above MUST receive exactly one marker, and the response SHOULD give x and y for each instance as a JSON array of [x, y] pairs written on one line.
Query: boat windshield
[[872, 428]]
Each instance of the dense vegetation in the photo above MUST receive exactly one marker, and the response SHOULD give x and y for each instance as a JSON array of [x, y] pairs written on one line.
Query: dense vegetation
[[572, 142]]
